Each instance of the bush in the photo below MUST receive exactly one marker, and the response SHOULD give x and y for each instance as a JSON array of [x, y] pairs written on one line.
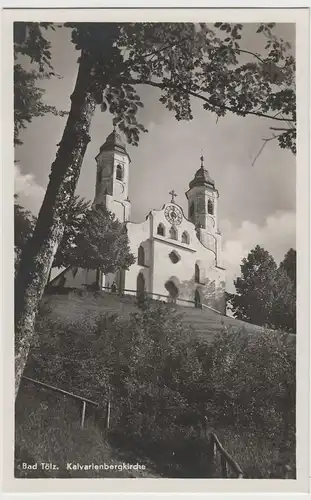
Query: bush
[[254, 380]]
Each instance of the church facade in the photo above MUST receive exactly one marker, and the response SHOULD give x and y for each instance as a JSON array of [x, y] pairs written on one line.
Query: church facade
[[178, 257]]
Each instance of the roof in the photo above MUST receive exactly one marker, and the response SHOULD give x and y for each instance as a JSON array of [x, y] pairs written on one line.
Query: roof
[[114, 142], [202, 177]]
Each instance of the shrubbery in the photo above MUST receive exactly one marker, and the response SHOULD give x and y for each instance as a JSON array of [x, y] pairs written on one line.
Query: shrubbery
[[166, 384]]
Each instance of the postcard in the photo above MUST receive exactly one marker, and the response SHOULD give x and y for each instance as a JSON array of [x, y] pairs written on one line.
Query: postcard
[[156, 185]]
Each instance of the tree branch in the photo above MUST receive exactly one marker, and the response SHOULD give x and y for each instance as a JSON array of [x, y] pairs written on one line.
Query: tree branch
[[164, 47], [199, 96], [264, 145], [248, 52], [281, 129]]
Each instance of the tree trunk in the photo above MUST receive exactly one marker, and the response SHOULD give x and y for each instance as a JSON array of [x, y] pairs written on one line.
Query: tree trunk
[[38, 254]]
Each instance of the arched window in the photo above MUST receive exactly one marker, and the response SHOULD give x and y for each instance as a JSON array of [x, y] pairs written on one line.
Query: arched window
[[197, 274], [173, 233], [191, 209], [119, 173], [185, 238], [210, 207], [99, 176], [161, 230], [141, 256]]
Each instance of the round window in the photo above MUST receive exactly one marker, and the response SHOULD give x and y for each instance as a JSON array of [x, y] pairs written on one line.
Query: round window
[[174, 257]]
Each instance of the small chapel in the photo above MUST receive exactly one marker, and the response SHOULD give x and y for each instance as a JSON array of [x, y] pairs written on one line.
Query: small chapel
[[178, 257]]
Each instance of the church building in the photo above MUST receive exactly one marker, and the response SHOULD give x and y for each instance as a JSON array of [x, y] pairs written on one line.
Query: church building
[[178, 257]]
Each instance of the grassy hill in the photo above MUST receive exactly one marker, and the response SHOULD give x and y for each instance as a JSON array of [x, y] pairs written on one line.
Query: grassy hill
[[205, 321]]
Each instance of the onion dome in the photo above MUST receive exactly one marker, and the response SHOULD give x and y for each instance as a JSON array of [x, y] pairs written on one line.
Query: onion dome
[[202, 177], [114, 142]]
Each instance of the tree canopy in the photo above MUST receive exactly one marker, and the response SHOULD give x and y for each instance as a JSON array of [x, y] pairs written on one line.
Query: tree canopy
[[183, 60], [289, 264], [266, 295], [94, 239], [186, 61]]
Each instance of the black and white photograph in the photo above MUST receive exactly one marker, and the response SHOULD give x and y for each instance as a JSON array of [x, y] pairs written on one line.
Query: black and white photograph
[[155, 250]]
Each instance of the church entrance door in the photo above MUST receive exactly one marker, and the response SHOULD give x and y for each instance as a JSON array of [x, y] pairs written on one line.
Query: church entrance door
[[121, 281], [140, 290], [197, 300], [172, 290]]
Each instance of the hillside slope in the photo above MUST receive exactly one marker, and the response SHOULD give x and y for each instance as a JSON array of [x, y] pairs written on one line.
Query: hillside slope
[[204, 321], [161, 384]]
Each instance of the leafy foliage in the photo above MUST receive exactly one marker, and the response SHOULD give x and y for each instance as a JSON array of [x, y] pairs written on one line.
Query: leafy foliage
[[28, 97], [24, 223], [28, 100], [183, 60], [284, 306], [93, 239], [254, 395], [254, 299], [289, 265], [78, 210], [265, 293], [29, 41], [186, 61]]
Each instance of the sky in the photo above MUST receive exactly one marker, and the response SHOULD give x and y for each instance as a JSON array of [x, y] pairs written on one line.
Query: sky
[[256, 202]]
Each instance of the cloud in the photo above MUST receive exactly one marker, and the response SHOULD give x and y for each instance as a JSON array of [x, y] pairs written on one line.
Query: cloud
[[29, 192], [277, 235]]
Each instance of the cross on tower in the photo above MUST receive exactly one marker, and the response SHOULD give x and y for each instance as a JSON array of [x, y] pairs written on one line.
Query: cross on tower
[[202, 159], [173, 194]]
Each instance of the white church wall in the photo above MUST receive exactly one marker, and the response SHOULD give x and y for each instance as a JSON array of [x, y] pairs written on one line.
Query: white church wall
[[121, 209], [160, 269], [139, 235], [211, 283]]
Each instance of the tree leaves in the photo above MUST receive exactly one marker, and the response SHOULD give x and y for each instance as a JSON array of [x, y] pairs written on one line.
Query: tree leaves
[[289, 264], [28, 101], [93, 239], [28, 97], [265, 294], [184, 61], [197, 63], [29, 41], [24, 223]]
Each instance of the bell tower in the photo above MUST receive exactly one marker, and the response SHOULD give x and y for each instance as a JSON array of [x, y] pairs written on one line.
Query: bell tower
[[202, 208], [112, 177]]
